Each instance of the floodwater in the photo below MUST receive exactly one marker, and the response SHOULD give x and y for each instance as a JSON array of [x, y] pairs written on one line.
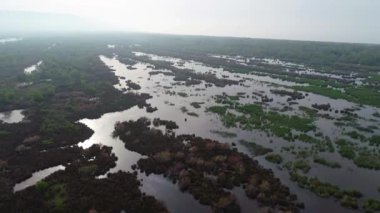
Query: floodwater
[[7, 40], [290, 67], [14, 116], [172, 106], [111, 46], [32, 68], [37, 176]]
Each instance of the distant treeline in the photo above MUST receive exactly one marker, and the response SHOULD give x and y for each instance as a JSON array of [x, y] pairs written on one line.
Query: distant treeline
[[318, 54]]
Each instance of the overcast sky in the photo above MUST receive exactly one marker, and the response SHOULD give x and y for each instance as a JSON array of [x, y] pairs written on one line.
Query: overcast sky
[[324, 20]]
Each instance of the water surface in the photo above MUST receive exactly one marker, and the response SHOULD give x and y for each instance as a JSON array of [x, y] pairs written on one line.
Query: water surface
[[14, 116]]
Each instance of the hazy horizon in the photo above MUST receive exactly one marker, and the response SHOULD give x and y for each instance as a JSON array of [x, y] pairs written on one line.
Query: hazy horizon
[[338, 21]]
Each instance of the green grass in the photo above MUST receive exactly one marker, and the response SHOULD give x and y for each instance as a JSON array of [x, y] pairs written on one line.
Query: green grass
[[221, 110], [55, 194], [355, 135], [346, 149], [327, 163], [310, 112], [224, 133], [234, 98], [348, 198], [349, 202], [47, 142], [325, 91], [320, 145], [362, 95], [230, 120], [252, 109], [274, 158], [42, 185], [301, 165], [368, 161], [293, 122], [255, 149], [375, 140], [362, 157], [307, 138], [353, 193], [88, 169], [225, 99], [371, 205], [254, 117], [57, 197]]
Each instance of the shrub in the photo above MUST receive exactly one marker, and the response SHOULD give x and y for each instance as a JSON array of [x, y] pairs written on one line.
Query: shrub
[[42, 185], [371, 205]]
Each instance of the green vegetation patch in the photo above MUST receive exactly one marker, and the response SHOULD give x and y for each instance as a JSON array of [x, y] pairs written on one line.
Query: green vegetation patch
[[274, 158], [375, 140], [362, 156], [349, 202], [40, 92], [252, 109], [196, 105], [302, 165], [226, 99], [254, 148], [254, 117], [224, 133], [355, 135], [368, 160], [42, 185], [55, 194], [55, 122], [193, 114], [371, 205], [47, 142], [88, 169], [221, 110], [7, 95], [346, 149], [348, 198], [362, 95], [327, 163], [310, 112], [182, 94], [321, 145], [293, 122], [58, 196]]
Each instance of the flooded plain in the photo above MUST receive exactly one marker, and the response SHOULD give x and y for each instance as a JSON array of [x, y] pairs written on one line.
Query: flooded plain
[[175, 100]]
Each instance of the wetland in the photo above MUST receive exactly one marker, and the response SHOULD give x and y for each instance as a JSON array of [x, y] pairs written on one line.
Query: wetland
[[160, 124]]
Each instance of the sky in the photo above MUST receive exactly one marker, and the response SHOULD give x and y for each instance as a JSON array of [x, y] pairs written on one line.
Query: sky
[[321, 20]]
